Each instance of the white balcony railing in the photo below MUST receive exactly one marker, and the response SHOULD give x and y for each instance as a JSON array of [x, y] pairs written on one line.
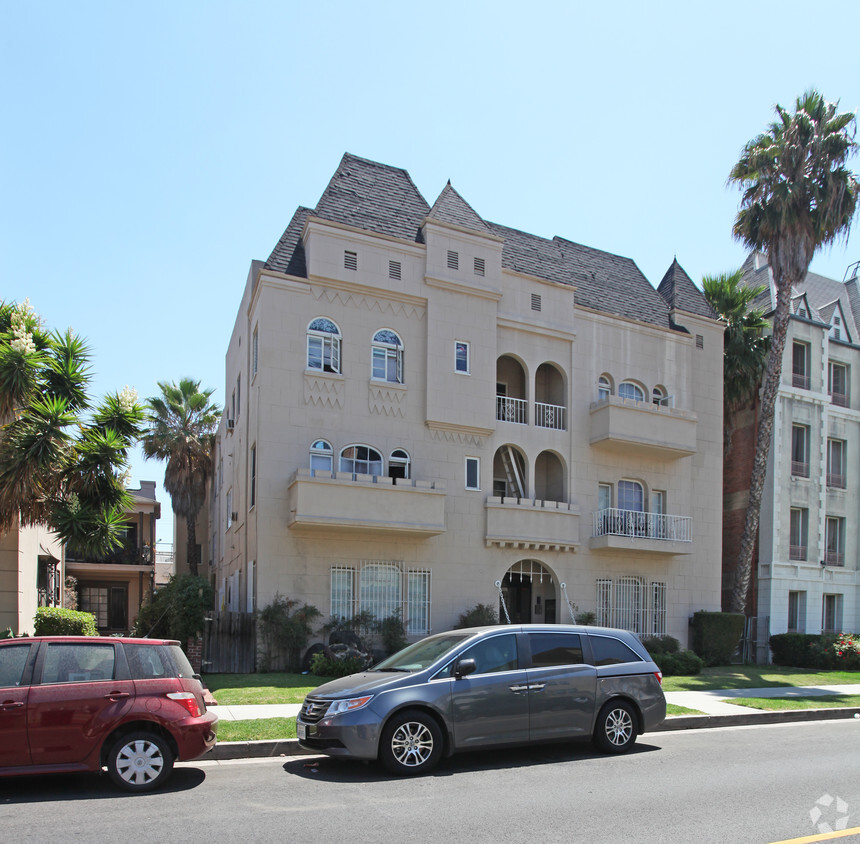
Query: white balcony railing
[[635, 523], [550, 416], [512, 410]]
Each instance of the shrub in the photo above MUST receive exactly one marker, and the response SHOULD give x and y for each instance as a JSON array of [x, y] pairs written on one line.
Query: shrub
[[481, 615], [57, 621], [795, 650], [661, 645], [846, 652], [587, 618], [324, 666], [285, 629], [716, 635], [177, 611], [393, 633], [681, 663]]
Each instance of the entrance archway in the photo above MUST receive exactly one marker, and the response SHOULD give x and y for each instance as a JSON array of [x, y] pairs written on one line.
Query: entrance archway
[[529, 591]]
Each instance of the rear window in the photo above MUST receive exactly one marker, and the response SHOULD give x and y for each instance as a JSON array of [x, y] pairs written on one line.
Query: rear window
[[609, 651], [153, 662], [181, 662], [13, 660], [550, 649]]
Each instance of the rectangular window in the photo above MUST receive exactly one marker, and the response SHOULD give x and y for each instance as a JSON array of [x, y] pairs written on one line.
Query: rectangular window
[[77, 663], [418, 602], [350, 260], [800, 365], [831, 614], [229, 503], [473, 473], [253, 489], [796, 612], [800, 451], [461, 357], [394, 270], [255, 351], [479, 266], [836, 464], [834, 541], [837, 383], [249, 587], [798, 527], [604, 496], [238, 396], [453, 260], [342, 592]]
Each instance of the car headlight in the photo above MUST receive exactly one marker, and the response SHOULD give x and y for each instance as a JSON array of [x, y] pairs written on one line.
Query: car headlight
[[338, 707]]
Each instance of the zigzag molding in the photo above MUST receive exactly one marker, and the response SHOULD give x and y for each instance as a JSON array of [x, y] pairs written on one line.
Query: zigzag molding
[[370, 303], [457, 437], [385, 402], [324, 393]]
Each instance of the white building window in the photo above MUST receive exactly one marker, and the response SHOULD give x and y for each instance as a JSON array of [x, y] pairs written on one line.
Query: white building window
[[629, 390], [631, 496], [798, 528], [324, 345], [831, 614], [632, 603], [321, 456], [228, 500], [360, 460], [398, 464], [834, 541], [796, 612], [252, 492], [388, 356], [604, 388], [461, 357], [473, 473], [250, 605]]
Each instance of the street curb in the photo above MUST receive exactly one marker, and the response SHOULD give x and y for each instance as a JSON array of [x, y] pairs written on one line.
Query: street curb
[[290, 747]]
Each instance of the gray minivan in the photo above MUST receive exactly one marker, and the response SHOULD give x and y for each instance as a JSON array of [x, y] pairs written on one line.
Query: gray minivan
[[488, 687]]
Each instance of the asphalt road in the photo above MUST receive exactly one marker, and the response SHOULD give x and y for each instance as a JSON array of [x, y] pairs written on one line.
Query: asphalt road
[[742, 784]]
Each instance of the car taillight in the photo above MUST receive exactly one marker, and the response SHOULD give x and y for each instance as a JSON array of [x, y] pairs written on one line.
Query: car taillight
[[659, 676], [187, 700]]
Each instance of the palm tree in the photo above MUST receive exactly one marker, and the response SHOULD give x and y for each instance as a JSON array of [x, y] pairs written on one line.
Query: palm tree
[[182, 432], [798, 195], [744, 343]]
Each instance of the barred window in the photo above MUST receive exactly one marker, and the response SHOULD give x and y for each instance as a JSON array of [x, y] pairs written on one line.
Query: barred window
[[631, 603]]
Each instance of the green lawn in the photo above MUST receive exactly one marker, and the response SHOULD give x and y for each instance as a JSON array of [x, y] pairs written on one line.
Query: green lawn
[[757, 677], [810, 702], [260, 729], [277, 687], [674, 709]]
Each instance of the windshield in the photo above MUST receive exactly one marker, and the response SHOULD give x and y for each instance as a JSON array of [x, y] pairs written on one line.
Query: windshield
[[422, 654]]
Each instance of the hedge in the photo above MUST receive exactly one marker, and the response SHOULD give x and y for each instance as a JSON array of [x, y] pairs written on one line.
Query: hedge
[[814, 650], [716, 635], [56, 621]]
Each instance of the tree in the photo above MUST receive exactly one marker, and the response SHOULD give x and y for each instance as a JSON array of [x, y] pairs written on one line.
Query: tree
[[182, 425], [798, 195], [745, 345], [63, 463]]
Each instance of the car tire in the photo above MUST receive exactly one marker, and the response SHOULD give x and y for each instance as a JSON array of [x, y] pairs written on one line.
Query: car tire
[[140, 761], [615, 730], [411, 743]]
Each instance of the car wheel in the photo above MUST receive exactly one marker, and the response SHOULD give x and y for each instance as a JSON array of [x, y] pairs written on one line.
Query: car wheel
[[411, 743], [140, 761], [615, 730]]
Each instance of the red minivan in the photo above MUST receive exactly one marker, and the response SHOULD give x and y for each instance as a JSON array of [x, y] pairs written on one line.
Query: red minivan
[[85, 703]]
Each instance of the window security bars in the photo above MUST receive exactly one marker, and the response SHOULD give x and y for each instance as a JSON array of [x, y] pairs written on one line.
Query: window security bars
[[633, 604], [634, 523]]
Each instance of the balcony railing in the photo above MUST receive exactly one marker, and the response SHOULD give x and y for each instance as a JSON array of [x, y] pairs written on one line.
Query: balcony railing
[[835, 481], [634, 523], [799, 469], [800, 380], [839, 399], [512, 410], [797, 552], [550, 416], [129, 555], [834, 558]]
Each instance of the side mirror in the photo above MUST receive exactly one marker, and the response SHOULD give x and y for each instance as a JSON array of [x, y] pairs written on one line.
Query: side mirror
[[464, 667]]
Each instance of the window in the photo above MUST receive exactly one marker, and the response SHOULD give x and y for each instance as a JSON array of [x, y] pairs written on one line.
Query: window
[[632, 604], [836, 464], [238, 396], [660, 396], [629, 390], [394, 270], [229, 505], [398, 464], [249, 587], [253, 490], [479, 266], [834, 541], [387, 356], [453, 260], [611, 651], [800, 451], [473, 473], [837, 383], [382, 588], [831, 613], [493, 655], [631, 496], [604, 388], [461, 357], [350, 260], [78, 663], [798, 527], [604, 496], [324, 345], [796, 612], [255, 352], [108, 603], [549, 649], [800, 365], [321, 456], [13, 660], [360, 460]]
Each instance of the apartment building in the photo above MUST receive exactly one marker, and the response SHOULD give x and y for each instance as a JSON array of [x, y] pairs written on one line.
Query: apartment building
[[807, 575], [427, 410]]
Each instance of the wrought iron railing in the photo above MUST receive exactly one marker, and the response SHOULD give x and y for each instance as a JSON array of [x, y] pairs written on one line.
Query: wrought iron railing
[[550, 416], [799, 469], [635, 523], [838, 398], [799, 380], [797, 552], [836, 480], [512, 410]]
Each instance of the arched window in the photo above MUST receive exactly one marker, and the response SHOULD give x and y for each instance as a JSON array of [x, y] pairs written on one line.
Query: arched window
[[604, 388], [631, 496], [361, 460], [659, 396], [398, 464], [387, 356], [323, 345], [629, 390], [321, 456]]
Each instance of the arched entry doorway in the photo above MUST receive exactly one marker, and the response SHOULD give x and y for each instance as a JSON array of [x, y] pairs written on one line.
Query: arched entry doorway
[[528, 589]]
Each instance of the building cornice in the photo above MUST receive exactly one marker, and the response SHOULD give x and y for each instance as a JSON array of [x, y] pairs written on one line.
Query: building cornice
[[466, 289]]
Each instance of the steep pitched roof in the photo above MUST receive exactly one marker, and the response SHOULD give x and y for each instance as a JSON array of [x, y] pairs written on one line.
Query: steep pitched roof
[[288, 256], [679, 292], [450, 207]]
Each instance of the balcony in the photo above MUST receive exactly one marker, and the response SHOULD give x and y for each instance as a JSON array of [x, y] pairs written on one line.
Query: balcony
[[512, 410], [329, 501], [839, 399], [799, 469], [834, 558], [534, 525], [550, 416], [835, 481], [797, 552], [128, 554], [656, 533], [800, 380], [643, 428]]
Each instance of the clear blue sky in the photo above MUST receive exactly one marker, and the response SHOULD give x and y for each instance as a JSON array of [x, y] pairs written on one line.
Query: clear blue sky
[[151, 150]]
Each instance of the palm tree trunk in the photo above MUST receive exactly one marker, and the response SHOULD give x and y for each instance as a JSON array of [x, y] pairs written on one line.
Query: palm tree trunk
[[772, 377], [192, 550]]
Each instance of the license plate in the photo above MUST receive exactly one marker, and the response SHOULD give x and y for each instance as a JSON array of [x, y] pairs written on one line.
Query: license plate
[[301, 731]]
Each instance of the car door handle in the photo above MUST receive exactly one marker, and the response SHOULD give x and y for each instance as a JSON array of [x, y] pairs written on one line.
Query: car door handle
[[537, 687], [518, 688], [11, 704], [116, 695]]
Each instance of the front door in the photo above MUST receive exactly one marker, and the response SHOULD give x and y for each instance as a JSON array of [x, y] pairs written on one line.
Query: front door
[[14, 690], [517, 592]]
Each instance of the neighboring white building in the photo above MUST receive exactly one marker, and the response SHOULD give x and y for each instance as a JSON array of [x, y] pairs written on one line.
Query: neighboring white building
[[421, 404], [808, 543]]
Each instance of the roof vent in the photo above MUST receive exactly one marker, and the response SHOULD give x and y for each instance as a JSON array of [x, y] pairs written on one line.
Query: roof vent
[[700, 341], [350, 260], [536, 302], [479, 266], [394, 269], [453, 260]]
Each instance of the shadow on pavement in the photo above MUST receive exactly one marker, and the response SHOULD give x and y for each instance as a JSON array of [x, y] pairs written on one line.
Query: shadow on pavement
[[329, 769], [53, 787]]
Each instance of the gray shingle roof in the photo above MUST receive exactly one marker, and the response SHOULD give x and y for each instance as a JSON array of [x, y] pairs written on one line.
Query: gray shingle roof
[[450, 207], [679, 292], [288, 256]]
